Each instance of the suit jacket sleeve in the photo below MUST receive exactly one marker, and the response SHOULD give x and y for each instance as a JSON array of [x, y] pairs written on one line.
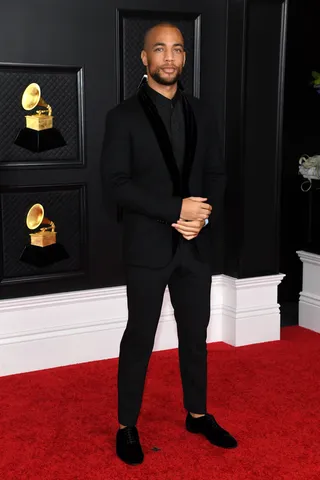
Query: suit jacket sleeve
[[214, 172], [117, 178]]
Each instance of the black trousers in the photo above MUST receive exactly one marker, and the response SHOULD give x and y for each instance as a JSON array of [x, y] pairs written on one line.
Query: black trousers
[[189, 282]]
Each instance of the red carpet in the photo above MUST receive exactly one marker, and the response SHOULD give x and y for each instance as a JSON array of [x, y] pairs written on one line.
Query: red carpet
[[60, 424]]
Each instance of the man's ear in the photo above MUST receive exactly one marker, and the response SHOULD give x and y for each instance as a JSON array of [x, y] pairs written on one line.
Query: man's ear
[[144, 58]]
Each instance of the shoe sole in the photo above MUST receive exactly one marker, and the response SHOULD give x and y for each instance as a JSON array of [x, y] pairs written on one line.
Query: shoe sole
[[129, 463], [220, 446]]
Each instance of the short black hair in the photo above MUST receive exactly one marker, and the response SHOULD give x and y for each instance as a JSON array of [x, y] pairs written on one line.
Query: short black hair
[[160, 24]]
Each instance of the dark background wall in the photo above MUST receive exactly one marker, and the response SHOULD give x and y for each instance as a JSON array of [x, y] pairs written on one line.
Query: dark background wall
[[95, 39], [240, 70], [254, 129], [300, 221]]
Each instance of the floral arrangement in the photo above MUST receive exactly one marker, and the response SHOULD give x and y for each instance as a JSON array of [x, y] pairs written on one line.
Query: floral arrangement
[[309, 168], [316, 81]]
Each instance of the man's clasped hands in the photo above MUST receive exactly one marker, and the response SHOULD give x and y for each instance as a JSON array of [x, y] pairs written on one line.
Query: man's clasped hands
[[193, 214]]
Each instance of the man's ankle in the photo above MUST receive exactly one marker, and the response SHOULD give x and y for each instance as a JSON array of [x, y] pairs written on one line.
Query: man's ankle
[[122, 426], [197, 415]]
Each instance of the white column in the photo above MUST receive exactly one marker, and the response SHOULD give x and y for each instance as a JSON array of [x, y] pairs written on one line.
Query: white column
[[251, 311], [309, 301]]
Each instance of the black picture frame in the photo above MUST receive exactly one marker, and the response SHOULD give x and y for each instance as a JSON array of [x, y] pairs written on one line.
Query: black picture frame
[[13, 79], [142, 20], [13, 220]]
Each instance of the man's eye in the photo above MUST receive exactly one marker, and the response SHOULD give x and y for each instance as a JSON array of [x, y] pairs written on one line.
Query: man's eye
[[159, 49]]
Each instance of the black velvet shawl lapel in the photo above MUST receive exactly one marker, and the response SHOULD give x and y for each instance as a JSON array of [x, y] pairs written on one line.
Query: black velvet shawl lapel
[[180, 181], [162, 137]]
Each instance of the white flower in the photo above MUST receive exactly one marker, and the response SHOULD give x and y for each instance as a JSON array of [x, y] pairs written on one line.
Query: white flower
[[309, 167]]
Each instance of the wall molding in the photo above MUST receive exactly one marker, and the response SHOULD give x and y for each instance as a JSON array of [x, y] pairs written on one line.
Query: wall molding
[[67, 328], [309, 299]]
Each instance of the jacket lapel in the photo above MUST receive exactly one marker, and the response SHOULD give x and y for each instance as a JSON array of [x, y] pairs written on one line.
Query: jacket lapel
[[180, 181], [162, 137]]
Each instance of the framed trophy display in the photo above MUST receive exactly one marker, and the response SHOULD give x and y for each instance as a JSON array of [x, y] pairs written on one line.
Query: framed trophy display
[[42, 117], [43, 232]]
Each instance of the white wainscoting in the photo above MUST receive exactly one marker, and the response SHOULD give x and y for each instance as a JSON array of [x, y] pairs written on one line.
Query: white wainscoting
[[61, 329], [309, 302]]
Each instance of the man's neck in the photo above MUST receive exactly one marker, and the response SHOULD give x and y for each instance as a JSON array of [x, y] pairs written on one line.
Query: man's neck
[[167, 91]]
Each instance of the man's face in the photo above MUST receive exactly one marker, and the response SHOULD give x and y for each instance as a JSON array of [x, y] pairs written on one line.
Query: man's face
[[164, 54]]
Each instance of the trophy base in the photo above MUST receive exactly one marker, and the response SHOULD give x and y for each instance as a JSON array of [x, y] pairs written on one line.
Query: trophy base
[[39, 141], [43, 239], [42, 257]]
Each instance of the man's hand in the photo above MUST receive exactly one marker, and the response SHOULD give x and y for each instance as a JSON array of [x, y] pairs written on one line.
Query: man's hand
[[189, 229], [195, 208]]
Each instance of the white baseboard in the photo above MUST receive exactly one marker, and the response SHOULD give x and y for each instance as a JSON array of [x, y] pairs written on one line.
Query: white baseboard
[[68, 328], [309, 302]]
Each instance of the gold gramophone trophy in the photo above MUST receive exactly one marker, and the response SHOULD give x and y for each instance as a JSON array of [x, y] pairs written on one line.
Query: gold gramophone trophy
[[46, 235], [43, 249], [39, 134]]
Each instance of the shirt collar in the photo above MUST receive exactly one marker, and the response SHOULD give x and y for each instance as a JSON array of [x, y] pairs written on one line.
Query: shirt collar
[[161, 100]]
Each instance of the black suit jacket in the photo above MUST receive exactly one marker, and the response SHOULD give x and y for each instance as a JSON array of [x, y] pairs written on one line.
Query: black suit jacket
[[139, 170]]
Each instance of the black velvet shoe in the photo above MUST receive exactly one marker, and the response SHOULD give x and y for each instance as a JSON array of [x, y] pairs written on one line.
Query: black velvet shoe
[[208, 426], [128, 446]]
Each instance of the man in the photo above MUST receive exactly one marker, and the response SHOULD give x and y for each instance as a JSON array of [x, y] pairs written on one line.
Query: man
[[161, 162]]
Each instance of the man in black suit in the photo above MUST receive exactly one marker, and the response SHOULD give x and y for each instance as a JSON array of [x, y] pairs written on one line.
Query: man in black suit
[[162, 163]]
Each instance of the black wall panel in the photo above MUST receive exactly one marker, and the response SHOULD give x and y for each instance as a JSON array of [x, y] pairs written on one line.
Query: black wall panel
[[257, 39], [300, 220], [265, 70], [132, 25]]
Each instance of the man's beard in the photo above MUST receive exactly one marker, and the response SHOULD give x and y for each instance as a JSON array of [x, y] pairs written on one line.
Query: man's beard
[[156, 75]]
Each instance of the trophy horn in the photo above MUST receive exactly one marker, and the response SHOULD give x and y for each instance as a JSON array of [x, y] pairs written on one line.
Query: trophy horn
[[31, 98], [35, 217]]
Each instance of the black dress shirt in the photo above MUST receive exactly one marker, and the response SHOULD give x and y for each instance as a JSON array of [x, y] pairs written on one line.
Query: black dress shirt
[[171, 113]]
